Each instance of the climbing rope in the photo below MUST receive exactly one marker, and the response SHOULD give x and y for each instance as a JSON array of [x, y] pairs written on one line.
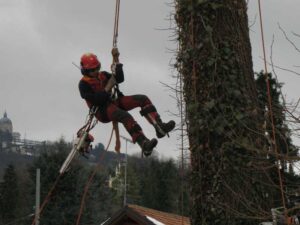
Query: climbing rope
[[115, 128], [115, 123], [181, 102], [182, 146], [46, 200], [116, 25], [115, 55], [88, 126], [271, 112], [88, 184]]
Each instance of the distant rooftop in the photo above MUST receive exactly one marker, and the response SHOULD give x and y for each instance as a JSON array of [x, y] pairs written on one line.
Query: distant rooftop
[[144, 216]]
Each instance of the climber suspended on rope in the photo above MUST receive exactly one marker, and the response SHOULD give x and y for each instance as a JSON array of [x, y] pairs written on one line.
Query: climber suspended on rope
[[96, 88]]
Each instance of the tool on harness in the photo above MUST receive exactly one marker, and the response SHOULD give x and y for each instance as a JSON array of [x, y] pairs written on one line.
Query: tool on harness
[[86, 146], [82, 141]]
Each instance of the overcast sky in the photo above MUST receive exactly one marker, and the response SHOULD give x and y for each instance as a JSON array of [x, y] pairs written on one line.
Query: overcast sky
[[41, 38]]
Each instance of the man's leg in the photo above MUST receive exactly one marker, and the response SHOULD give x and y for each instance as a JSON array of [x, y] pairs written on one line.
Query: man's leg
[[149, 111], [114, 113]]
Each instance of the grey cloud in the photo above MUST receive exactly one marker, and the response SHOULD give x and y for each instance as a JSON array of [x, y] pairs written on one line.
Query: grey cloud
[[40, 40]]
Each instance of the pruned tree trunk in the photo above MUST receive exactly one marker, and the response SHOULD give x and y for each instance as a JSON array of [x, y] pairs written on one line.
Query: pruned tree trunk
[[223, 115]]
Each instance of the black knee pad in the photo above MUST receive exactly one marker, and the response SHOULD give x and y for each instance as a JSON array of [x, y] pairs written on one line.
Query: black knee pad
[[147, 109], [121, 116], [135, 129], [140, 98]]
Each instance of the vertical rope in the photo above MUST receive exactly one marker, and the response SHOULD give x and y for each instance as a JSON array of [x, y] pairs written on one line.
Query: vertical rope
[[116, 25], [88, 184], [115, 37], [46, 200], [89, 126], [181, 102], [194, 63], [271, 112], [116, 60], [182, 144], [194, 87]]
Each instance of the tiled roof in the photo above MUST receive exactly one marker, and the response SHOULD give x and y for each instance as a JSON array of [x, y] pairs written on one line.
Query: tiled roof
[[163, 217]]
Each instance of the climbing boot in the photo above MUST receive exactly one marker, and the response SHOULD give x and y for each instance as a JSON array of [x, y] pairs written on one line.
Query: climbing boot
[[153, 117], [146, 145], [162, 128]]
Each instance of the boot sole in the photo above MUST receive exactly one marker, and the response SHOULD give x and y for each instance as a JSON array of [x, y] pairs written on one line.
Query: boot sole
[[152, 146], [160, 135]]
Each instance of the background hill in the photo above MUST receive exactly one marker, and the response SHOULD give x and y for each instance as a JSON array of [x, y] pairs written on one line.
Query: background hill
[[18, 160]]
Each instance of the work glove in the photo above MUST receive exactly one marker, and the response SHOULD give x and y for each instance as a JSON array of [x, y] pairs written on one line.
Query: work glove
[[115, 52], [116, 68], [113, 68]]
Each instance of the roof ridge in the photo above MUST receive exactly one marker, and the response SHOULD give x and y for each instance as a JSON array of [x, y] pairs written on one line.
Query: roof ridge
[[145, 208]]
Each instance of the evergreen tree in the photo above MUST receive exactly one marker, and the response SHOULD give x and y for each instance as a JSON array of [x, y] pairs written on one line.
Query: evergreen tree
[[98, 206], [151, 183], [64, 204], [282, 132], [25, 210], [168, 185], [285, 147], [159, 184], [9, 195], [133, 185], [129, 173]]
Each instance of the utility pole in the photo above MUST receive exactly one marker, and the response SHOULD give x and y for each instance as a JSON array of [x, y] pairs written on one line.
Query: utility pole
[[37, 196], [125, 179]]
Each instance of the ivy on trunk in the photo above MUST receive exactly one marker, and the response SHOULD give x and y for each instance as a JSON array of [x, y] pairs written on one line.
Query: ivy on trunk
[[229, 179]]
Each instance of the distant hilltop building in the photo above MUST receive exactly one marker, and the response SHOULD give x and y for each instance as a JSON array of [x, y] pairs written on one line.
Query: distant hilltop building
[[6, 124], [6, 132], [11, 141]]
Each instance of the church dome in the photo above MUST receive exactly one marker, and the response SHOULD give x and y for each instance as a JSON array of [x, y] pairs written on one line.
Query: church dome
[[6, 124], [5, 119]]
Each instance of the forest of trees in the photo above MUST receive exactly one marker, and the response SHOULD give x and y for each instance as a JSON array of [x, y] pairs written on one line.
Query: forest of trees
[[151, 183]]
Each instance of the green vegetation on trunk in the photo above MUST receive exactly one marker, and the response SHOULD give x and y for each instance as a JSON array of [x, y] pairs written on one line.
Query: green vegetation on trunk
[[230, 177]]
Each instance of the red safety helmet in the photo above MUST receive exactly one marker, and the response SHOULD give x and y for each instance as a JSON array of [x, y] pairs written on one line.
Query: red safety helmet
[[89, 62]]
